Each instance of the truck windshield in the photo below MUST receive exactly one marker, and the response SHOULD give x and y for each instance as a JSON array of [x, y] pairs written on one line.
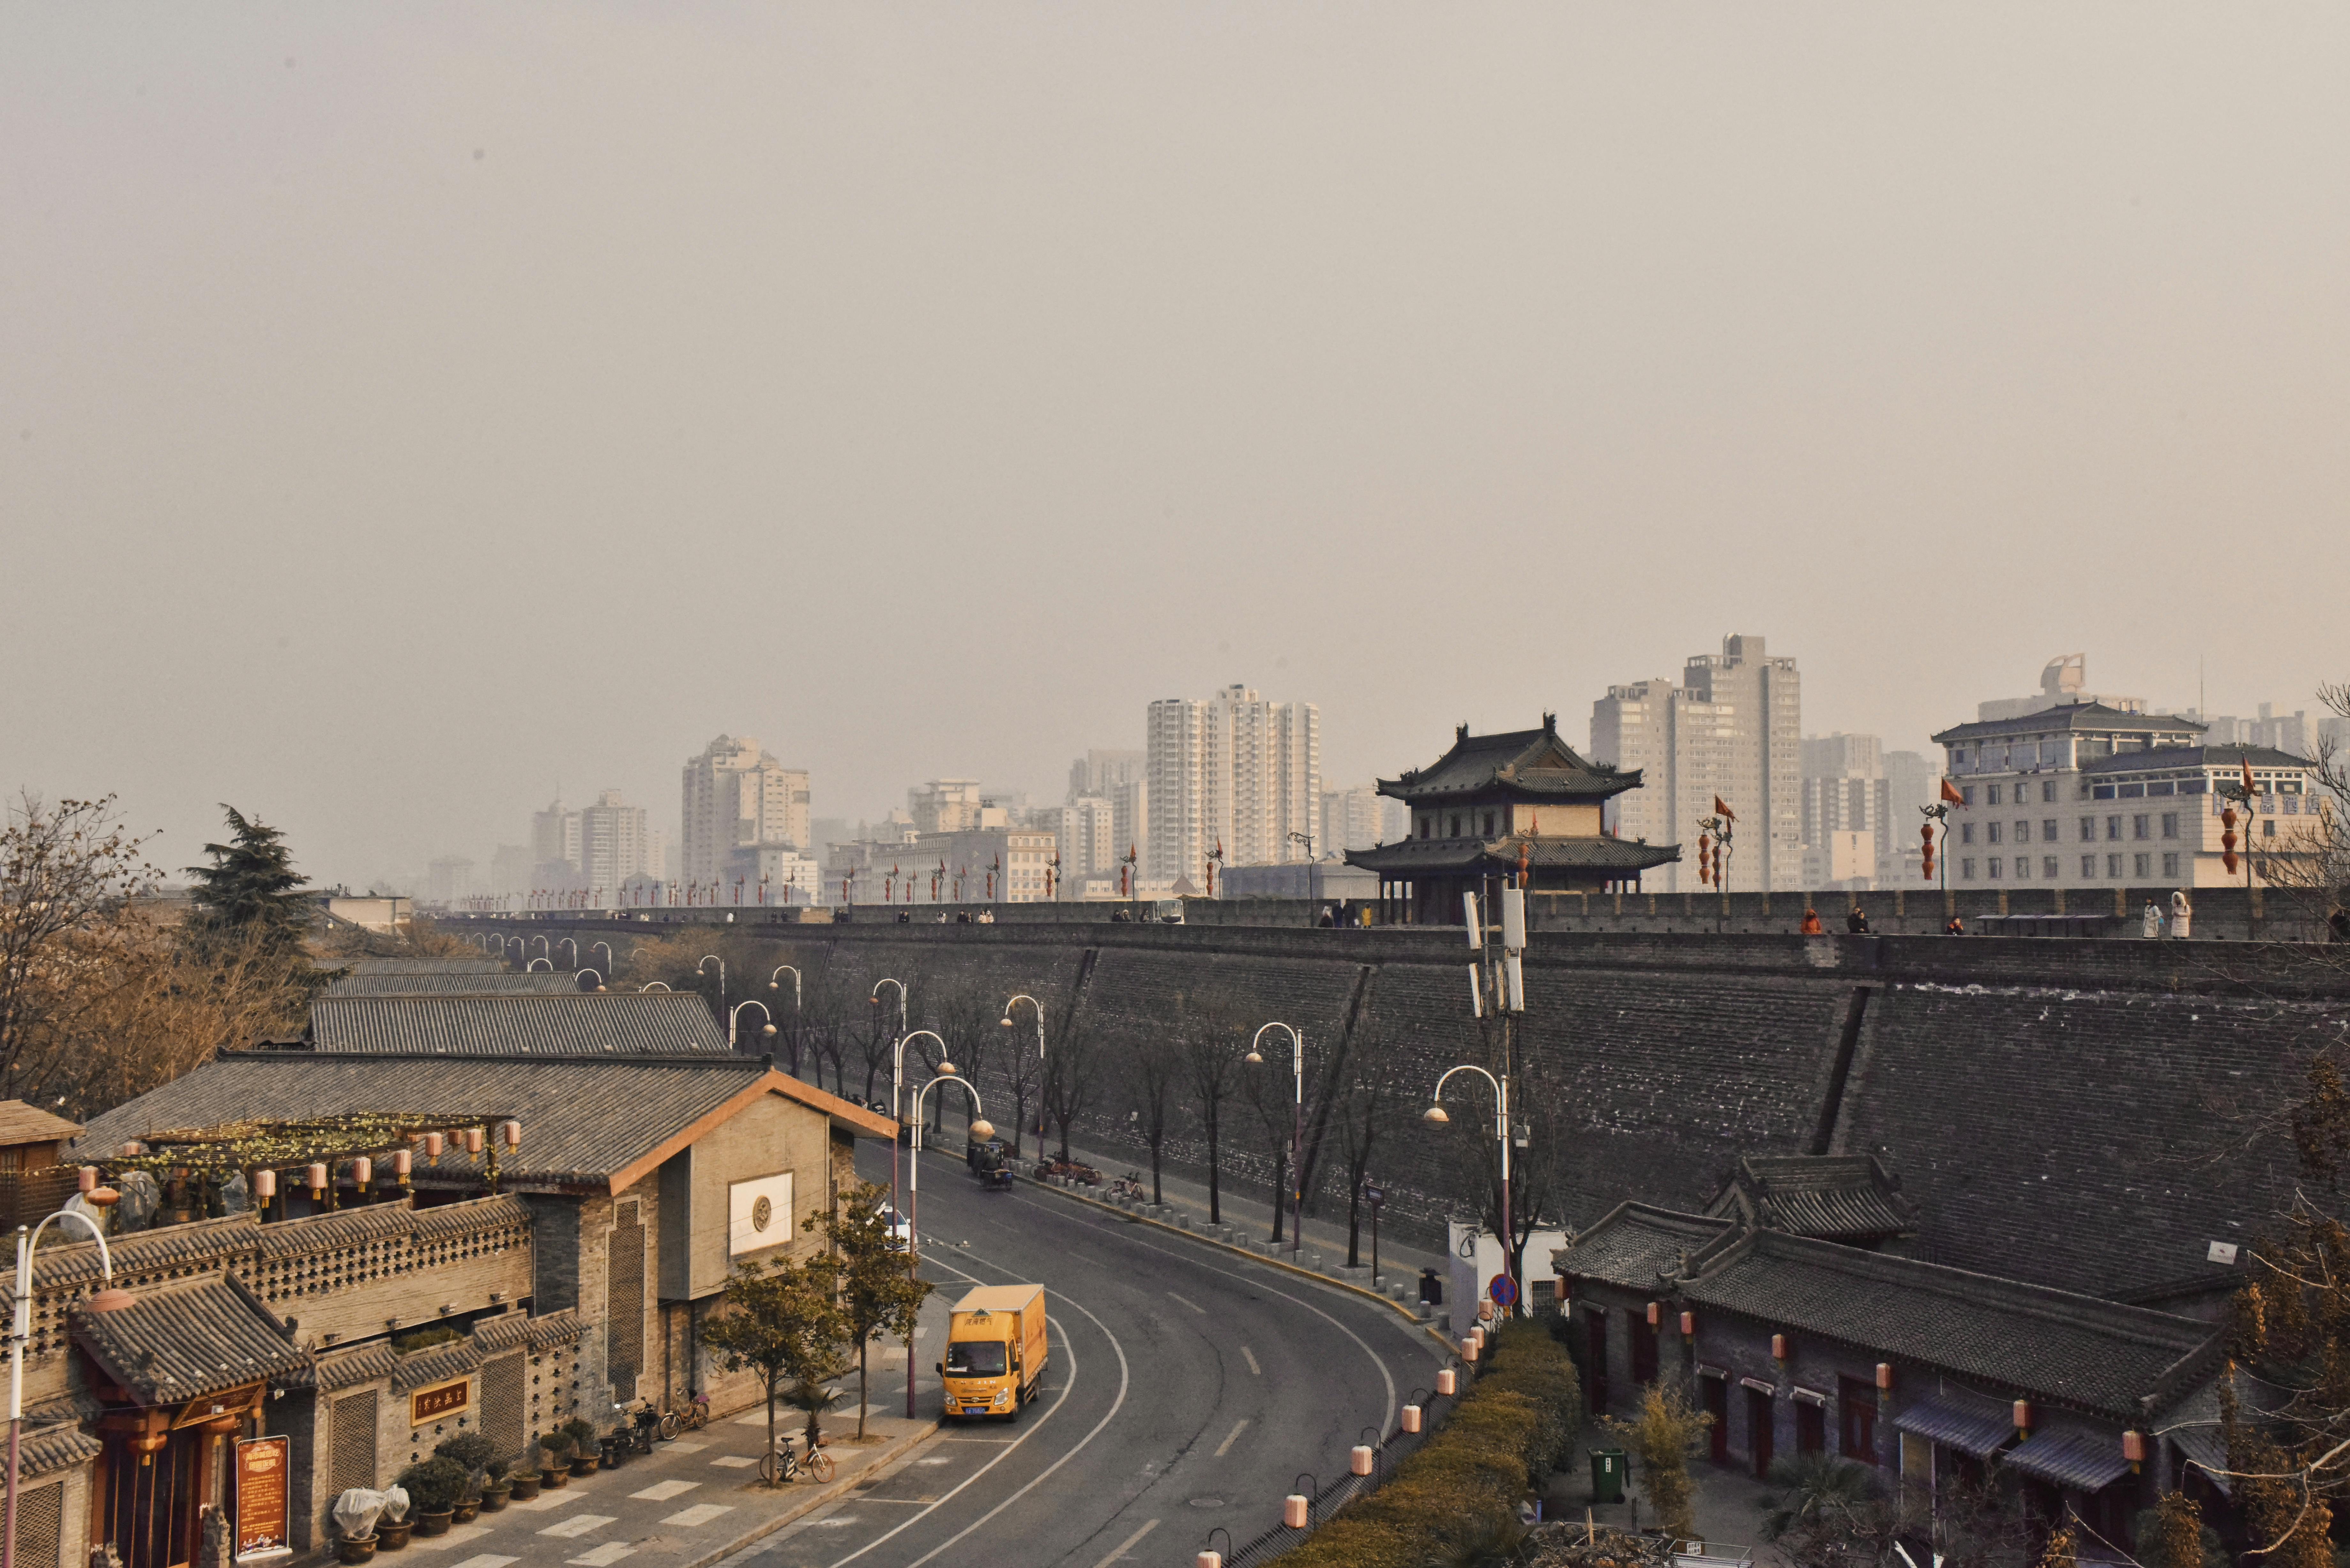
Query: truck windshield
[[975, 1358]]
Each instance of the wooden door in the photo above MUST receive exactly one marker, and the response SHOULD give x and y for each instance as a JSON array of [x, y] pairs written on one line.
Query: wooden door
[[1594, 1327], [1717, 1404], [1759, 1435]]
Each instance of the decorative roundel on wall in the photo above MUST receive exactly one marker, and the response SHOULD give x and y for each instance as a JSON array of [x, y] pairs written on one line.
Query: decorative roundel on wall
[[762, 1212]]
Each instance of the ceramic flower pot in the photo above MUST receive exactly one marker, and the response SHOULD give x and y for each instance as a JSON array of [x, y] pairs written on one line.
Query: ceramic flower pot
[[355, 1548], [525, 1487], [433, 1523], [391, 1537]]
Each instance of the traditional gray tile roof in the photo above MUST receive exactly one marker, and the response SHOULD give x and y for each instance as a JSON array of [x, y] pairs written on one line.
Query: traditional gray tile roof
[[1522, 765], [21, 1123], [53, 1448], [2067, 716], [180, 1341], [2080, 1350], [2087, 1460], [585, 1120], [435, 1363], [1967, 1428], [1838, 1198], [1430, 857], [537, 982], [573, 1024], [1638, 1246], [2165, 757], [387, 966]]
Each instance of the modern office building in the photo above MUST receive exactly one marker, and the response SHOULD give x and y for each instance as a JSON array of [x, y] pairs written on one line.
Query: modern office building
[[735, 796], [1354, 819], [1731, 731], [1235, 771]]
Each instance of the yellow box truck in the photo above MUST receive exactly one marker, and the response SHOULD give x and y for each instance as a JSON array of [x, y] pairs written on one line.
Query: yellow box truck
[[997, 1346]]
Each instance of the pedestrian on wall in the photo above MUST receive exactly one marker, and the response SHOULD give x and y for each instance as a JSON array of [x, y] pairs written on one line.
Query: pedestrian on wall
[[1812, 926], [1957, 928], [2182, 913], [1328, 919], [2151, 926], [1856, 922]]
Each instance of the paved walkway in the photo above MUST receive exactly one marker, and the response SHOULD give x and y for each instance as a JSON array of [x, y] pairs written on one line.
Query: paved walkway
[[1729, 1506], [692, 1501]]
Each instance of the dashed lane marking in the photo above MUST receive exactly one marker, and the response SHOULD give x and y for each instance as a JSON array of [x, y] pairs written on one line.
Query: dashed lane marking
[[1126, 1545], [1254, 1370], [1234, 1436], [1188, 1302]]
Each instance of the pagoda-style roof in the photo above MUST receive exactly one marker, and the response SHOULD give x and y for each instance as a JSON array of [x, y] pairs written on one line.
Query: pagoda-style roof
[[2067, 717], [1516, 765], [1415, 857]]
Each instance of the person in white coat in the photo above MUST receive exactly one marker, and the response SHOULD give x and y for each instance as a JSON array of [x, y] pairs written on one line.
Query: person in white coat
[[2182, 913], [2153, 920]]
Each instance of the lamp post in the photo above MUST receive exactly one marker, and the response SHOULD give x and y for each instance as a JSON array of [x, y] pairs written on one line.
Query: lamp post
[[1296, 1130], [607, 954], [897, 1074], [20, 1332], [766, 1029], [772, 985], [2243, 797], [598, 974], [574, 945], [532, 967], [713, 958], [1435, 1115], [1039, 1008], [652, 985], [544, 951], [1313, 870], [979, 1130]]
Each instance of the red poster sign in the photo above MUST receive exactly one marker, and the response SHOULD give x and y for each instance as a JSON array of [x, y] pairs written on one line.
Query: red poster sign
[[260, 1496]]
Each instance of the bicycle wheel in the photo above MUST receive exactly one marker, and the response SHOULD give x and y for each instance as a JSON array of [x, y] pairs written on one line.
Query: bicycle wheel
[[768, 1466], [668, 1424], [820, 1465]]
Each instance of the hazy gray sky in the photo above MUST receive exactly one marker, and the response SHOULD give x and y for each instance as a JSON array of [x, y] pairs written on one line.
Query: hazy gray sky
[[404, 407]]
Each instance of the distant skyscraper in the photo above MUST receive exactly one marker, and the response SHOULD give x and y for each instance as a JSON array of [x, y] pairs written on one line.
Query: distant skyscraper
[[1733, 729], [737, 796], [1084, 834], [1351, 819], [945, 806], [1098, 773], [614, 843], [1233, 769]]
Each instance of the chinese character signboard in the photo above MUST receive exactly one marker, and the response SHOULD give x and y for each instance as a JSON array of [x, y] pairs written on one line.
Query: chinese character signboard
[[440, 1399], [261, 1498]]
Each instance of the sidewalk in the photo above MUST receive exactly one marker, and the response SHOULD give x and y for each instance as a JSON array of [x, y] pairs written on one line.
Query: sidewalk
[[1728, 1510], [1398, 1260]]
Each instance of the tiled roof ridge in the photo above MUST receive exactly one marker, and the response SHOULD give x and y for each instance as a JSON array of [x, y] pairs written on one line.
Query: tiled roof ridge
[[54, 1448], [684, 1059], [203, 1241], [434, 1362], [2147, 1325]]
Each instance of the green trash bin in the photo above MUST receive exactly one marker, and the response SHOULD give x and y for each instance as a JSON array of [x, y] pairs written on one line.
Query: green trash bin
[[1607, 1475]]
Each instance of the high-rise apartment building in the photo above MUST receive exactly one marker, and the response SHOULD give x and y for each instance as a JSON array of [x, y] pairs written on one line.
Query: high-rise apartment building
[[1352, 819], [1084, 835], [1098, 773], [1235, 770], [737, 796], [1732, 729], [614, 844], [946, 805]]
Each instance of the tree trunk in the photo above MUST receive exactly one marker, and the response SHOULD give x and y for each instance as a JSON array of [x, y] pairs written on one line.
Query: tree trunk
[[1280, 1187], [861, 1400], [1019, 1121], [771, 1413], [1156, 1195], [1354, 1225], [1215, 1187]]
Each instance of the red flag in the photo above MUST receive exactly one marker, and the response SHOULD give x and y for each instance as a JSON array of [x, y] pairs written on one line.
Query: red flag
[[1950, 795], [2250, 787], [1721, 809]]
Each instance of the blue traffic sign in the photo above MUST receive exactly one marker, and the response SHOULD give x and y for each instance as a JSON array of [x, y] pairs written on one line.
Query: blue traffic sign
[[1502, 1289]]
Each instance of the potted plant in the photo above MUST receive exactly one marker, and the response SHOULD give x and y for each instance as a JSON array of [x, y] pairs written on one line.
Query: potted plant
[[356, 1513], [584, 1449], [495, 1486], [435, 1486], [392, 1529], [471, 1452], [555, 1448], [616, 1444], [526, 1483]]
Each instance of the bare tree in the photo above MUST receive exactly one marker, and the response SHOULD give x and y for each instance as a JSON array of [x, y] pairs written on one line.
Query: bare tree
[[1023, 1072], [1271, 1093], [1366, 1110], [1073, 1076], [1209, 1048], [1152, 1072], [71, 878]]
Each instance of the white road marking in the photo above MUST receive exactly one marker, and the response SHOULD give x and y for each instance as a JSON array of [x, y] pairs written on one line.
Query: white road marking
[[735, 1462], [1127, 1544], [1195, 1306], [1234, 1436], [684, 1447], [661, 1491], [579, 1525], [487, 1560], [458, 1535], [1254, 1370], [934, 1461], [545, 1502], [701, 1513], [603, 1556]]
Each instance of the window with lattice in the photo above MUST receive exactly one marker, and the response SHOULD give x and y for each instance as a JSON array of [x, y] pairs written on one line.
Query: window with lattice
[[40, 1526], [501, 1404], [354, 1437], [624, 1300]]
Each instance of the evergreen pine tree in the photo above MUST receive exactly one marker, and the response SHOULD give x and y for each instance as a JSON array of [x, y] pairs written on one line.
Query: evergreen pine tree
[[248, 892]]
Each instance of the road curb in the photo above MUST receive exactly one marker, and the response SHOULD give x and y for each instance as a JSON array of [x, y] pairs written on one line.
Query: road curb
[[1396, 1307], [816, 1499]]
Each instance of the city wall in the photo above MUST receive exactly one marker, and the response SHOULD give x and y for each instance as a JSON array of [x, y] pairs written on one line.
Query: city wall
[[2086, 1114]]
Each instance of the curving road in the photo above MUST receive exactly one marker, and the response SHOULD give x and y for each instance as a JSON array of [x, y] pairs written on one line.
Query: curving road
[[1188, 1388]]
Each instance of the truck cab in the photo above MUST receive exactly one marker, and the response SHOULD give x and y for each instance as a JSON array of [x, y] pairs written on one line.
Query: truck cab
[[996, 1352]]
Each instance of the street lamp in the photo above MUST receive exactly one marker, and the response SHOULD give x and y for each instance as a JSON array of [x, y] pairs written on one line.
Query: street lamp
[[1039, 1009], [897, 1074], [772, 985], [1313, 870], [766, 1029], [1436, 1117], [574, 946], [652, 985], [713, 958], [979, 1129], [20, 1331], [598, 974], [532, 967], [607, 954], [1296, 1130]]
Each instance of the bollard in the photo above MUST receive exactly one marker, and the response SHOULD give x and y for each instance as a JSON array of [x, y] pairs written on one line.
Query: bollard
[[1359, 1460], [1448, 1382], [1292, 1510], [1411, 1417]]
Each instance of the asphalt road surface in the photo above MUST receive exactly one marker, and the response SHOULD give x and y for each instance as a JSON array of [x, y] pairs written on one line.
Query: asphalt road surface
[[1188, 1389]]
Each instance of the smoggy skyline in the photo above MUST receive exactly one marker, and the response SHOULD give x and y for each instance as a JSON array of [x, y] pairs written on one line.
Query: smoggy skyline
[[404, 410]]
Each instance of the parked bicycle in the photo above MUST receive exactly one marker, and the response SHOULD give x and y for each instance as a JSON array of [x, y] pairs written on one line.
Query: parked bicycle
[[696, 1414], [785, 1463], [1129, 1186]]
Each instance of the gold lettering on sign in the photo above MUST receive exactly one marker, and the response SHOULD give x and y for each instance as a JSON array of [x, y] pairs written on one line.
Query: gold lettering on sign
[[261, 1501], [442, 1399]]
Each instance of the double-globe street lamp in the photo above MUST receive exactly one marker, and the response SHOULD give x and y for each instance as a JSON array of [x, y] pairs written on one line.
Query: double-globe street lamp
[[20, 1332], [774, 985], [766, 1029], [1296, 1131], [981, 1130], [1435, 1115], [896, 1074]]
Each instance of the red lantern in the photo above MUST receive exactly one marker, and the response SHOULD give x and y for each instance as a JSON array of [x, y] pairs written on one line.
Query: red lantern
[[2022, 1416], [473, 1140], [1926, 833], [1689, 1325], [403, 1165], [1778, 1347], [1704, 864], [2228, 838], [2134, 1449], [1656, 1313], [264, 1185], [1884, 1374]]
